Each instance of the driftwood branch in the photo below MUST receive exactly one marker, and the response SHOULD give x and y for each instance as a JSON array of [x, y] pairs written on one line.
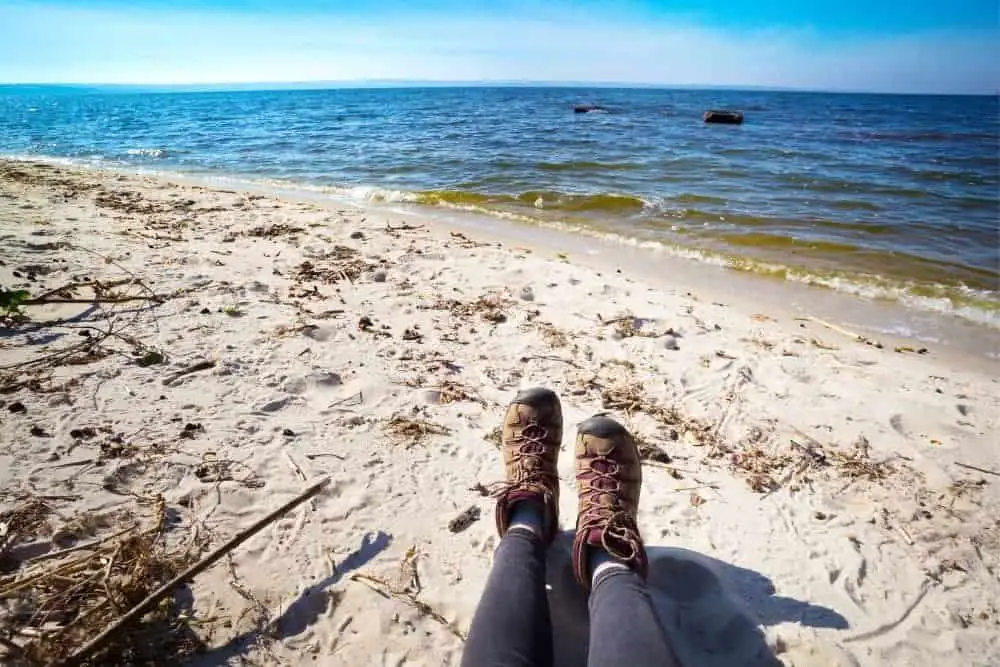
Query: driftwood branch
[[100, 289], [154, 598], [156, 298]]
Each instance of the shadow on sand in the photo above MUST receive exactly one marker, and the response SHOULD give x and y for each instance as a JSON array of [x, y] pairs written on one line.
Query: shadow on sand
[[305, 610], [711, 611]]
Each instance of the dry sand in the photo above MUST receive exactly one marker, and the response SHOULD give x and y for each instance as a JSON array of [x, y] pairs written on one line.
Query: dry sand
[[806, 507]]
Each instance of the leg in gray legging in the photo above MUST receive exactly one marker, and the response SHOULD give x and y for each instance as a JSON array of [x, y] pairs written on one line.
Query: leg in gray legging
[[511, 627], [624, 629]]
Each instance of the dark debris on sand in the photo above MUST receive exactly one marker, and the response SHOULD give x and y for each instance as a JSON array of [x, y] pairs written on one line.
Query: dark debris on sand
[[52, 605]]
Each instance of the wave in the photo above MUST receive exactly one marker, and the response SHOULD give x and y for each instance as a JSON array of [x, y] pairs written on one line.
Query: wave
[[930, 136], [691, 198], [155, 153], [584, 165], [538, 199], [831, 185], [852, 205], [975, 305]]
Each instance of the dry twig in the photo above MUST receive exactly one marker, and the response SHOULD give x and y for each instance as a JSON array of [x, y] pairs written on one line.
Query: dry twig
[[841, 330], [383, 588], [415, 429], [202, 365], [154, 598]]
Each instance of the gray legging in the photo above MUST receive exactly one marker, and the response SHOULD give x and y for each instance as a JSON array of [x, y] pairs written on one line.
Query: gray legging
[[512, 628]]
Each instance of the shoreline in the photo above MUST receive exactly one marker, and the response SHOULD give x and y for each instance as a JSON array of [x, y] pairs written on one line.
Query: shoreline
[[811, 487], [910, 311], [891, 322]]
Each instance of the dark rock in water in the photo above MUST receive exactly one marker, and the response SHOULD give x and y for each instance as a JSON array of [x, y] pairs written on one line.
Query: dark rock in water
[[724, 117], [588, 108]]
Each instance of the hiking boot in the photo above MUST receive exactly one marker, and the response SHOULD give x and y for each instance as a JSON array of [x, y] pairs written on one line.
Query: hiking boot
[[530, 441], [608, 480]]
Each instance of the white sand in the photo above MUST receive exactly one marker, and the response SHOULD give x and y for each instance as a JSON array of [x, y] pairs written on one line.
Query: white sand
[[822, 569]]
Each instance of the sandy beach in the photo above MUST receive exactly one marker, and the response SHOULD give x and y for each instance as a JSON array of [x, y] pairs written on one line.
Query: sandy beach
[[812, 496]]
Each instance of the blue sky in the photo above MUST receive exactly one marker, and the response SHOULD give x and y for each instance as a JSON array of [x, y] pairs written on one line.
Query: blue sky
[[878, 45]]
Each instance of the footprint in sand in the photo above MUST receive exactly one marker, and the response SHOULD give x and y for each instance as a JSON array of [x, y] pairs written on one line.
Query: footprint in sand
[[896, 422]]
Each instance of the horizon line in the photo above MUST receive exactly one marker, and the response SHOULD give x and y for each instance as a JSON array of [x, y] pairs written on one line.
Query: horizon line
[[358, 84]]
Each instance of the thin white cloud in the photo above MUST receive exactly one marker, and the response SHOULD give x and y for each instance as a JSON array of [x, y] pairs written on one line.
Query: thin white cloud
[[48, 43]]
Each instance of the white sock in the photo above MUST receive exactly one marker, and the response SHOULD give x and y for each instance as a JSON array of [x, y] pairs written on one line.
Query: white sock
[[598, 560]]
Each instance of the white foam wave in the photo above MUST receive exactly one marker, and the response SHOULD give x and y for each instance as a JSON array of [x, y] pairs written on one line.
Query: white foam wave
[[865, 286], [378, 195], [155, 153], [56, 161]]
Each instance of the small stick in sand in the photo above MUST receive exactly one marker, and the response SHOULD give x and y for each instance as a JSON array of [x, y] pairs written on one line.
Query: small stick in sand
[[849, 334], [657, 464], [322, 454], [352, 400], [551, 358], [57, 497], [72, 287], [202, 365], [154, 598], [71, 464], [714, 487], [301, 475], [96, 299], [925, 587], [977, 468], [386, 591], [295, 466], [93, 544]]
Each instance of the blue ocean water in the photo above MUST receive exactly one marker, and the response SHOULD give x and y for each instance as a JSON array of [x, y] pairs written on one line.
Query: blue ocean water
[[885, 195]]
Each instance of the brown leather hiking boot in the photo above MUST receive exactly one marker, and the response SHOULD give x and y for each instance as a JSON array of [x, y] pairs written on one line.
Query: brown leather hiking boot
[[532, 436], [608, 480]]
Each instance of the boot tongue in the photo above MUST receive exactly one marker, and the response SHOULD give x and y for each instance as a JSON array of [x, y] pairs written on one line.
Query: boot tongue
[[518, 496], [594, 537]]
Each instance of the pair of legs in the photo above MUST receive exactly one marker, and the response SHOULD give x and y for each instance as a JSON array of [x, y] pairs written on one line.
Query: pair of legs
[[512, 627]]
